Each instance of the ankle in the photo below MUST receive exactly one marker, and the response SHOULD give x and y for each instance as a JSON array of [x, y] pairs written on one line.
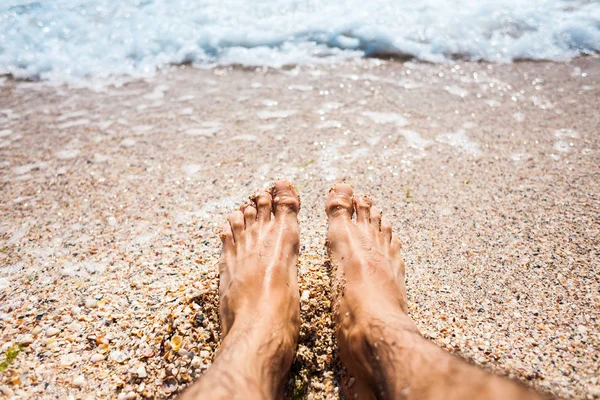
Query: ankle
[[364, 304], [262, 329]]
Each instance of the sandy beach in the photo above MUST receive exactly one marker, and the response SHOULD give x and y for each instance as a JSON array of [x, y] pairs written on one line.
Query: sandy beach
[[111, 204]]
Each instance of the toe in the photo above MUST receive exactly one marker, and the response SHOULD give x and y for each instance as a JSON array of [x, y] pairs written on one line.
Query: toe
[[264, 203], [386, 231], [339, 202], [376, 217], [362, 204], [285, 199], [227, 239], [249, 215], [236, 221]]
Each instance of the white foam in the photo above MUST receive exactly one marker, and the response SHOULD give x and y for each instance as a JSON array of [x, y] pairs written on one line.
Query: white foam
[[563, 144], [72, 124], [541, 102], [373, 140], [386, 118], [191, 169], [100, 158], [23, 169], [267, 127], [267, 114], [128, 142], [301, 88], [332, 105], [185, 98], [142, 129], [104, 125], [269, 103], [67, 154], [562, 147], [5, 132], [456, 91], [519, 116], [158, 93], [83, 269], [415, 140], [329, 124], [19, 234], [566, 133], [461, 141], [244, 138], [205, 132], [70, 40]]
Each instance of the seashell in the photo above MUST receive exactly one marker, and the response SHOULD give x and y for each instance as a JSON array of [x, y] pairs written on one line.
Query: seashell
[[176, 342], [118, 356], [170, 384], [103, 348]]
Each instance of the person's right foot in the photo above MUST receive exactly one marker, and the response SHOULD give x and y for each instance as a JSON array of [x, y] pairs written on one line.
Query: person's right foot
[[369, 272]]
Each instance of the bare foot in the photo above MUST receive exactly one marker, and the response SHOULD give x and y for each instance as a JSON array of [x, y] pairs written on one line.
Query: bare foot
[[370, 274], [258, 268], [366, 253], [259, 300], [380, 346]]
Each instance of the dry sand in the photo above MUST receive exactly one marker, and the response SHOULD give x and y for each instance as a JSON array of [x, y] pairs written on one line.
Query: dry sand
[[111, 203]]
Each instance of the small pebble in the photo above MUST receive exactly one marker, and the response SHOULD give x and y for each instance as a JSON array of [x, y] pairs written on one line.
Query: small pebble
[[52, 331], [91, 303], [26, 340], [68, 359], [196, 362], [141, 371], [96, 357], [79, 381], [305, 296]]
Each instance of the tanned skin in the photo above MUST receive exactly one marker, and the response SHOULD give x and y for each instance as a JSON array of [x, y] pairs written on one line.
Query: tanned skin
[[380, 347]]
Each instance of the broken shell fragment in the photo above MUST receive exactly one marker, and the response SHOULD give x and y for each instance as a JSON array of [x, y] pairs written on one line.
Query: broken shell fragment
[[176, 342], [169, 384]]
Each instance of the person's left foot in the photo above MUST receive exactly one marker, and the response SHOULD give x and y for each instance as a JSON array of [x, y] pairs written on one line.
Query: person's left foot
[[258, 280]]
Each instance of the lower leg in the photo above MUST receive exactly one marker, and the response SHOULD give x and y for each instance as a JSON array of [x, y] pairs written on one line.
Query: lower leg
[[380, 346], [259, 301]]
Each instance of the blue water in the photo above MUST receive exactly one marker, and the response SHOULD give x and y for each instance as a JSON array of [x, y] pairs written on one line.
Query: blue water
[[70, 40]]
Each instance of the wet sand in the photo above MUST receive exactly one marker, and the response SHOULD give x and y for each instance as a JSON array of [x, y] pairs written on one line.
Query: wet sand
[[111, 203]]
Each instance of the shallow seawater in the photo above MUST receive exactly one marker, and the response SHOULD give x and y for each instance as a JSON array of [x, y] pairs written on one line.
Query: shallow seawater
[[72, 40]]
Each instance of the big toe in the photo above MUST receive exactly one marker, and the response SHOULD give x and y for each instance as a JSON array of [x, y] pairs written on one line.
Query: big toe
[[340, 201], [285, 199]]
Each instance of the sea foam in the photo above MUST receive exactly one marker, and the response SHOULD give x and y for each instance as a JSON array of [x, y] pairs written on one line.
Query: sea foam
[[71, 40]]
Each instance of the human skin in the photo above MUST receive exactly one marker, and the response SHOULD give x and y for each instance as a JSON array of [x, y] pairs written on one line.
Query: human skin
[[380, 346], [259, 299], [382, 351]]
